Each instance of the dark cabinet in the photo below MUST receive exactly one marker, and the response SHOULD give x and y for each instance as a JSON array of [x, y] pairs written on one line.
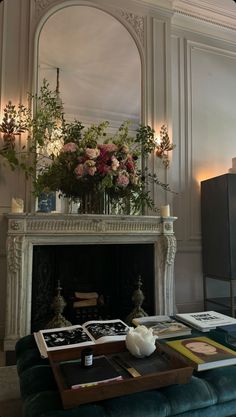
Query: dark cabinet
[[218, 217]]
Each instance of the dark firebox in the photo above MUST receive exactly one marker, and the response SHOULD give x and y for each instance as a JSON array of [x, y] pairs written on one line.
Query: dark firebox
[[111, 271]]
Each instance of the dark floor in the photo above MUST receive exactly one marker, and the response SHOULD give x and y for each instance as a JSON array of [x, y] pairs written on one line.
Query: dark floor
[[11, 408]]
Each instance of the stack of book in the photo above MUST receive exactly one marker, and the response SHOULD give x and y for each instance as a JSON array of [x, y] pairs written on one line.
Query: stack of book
[[85, 299], [85, 306], [205, 320], [202, 352]]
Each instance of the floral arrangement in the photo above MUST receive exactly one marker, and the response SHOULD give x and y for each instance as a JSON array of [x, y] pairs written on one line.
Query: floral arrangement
[[79, 162], [93, 162]]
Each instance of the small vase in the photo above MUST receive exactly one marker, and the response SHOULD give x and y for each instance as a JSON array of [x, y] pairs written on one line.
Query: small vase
[[46, 202]]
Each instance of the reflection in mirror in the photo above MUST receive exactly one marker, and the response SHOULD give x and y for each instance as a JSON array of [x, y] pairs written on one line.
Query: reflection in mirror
[[99, 65]]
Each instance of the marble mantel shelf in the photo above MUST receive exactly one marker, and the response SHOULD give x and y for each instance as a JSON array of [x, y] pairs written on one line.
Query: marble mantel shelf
[[87, 223], [27, 230]]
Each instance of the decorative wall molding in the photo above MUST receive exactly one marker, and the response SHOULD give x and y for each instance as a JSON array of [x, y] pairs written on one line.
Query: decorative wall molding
[[171, 247], [137, 23], [207, 12], [14, 253], [166, 249], [40, 5]]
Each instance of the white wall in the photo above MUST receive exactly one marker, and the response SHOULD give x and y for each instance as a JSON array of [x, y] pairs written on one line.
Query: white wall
[[203, 122], [204, 129]]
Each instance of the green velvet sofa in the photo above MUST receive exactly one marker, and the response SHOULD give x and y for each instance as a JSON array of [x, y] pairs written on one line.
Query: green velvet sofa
[[208, 394]]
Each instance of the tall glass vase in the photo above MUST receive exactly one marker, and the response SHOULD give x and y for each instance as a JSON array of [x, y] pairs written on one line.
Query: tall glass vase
[[93, 203], [70, 205], [98, 202]]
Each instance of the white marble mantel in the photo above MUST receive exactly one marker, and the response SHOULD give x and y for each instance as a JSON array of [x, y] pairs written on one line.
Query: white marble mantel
[[27, 230]]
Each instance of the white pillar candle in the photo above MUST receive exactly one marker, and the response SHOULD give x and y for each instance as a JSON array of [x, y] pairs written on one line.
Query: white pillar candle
[[17, 205], [165, 211]]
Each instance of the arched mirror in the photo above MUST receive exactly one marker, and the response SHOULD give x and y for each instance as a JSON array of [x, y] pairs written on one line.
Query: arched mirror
[[99, 65]]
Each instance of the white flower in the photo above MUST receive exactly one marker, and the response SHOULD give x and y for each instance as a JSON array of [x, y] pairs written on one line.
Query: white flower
[[140, 341]]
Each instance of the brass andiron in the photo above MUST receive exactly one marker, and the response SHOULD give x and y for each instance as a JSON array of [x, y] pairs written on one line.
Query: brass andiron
[[137, 298], [58, 305]]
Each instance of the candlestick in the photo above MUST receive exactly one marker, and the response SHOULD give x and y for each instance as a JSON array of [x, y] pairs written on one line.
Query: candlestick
[[165, 211], [17, 205]]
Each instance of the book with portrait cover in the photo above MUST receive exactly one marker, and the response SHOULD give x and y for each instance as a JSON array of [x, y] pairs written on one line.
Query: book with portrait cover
[[91, 332], [101, 372], [205, 320], [203, 353], [163, 327]]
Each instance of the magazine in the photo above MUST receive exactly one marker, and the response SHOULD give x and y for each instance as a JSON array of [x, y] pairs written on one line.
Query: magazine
[[78, 377], [203, 353], [205, 320], [91, 332], [163, 326]]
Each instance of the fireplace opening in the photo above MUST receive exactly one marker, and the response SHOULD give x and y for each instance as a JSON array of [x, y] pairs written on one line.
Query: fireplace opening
[[110, 271]]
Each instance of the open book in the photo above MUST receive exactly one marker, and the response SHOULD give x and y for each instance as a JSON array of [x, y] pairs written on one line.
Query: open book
[[91, 332]]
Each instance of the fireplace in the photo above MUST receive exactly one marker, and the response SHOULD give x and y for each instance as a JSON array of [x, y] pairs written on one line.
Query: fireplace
[[52, 235]]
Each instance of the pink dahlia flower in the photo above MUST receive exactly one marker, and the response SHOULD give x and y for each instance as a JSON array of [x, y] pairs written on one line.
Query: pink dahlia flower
[[90, 167], [92, 153], [130, 163], [79, 170], [91, 171], [69, 147], [107, 147], [122, 180]]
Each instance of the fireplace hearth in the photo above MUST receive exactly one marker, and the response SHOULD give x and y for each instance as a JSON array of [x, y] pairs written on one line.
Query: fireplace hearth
[[126, 246]]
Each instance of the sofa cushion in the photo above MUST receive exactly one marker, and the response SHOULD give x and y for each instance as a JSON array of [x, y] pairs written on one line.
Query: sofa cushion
[[196, 394], [29, 358], [37, 379], [151, 403], [223, 381]]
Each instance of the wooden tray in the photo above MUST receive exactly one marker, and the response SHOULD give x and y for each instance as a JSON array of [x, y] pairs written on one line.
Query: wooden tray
[[174, 371]]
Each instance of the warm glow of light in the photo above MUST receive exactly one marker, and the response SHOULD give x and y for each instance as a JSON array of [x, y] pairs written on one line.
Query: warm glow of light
[[157, 137], [207, 173]]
